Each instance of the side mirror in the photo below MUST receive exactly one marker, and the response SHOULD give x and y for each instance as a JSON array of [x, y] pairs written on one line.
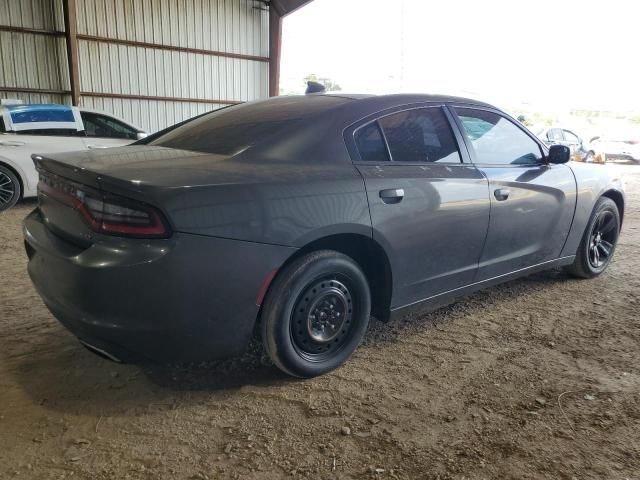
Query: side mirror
[[558, 154], [141, 135]]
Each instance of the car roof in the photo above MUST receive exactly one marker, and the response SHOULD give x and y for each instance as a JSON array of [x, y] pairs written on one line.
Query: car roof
[[394, 98], [347, 108]]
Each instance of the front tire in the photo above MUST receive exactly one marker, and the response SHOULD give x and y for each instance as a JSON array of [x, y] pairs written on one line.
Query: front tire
[[598, 241], [9, 188], [316, 313]]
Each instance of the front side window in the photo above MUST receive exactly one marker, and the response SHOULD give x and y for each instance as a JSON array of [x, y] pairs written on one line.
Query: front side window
[[496, 140], [106, 127], [420, 135]]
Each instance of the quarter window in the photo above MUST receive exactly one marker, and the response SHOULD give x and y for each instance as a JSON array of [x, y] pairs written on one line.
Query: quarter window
[[420, 135], [371, 144], [496, 140]]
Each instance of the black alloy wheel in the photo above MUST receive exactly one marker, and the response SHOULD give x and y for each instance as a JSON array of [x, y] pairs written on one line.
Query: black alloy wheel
[[598, 242], [9, 188], [602, 240]]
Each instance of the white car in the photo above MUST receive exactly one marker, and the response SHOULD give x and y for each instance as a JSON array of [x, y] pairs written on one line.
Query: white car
[[619, 149], [557, 135], [42, 129]]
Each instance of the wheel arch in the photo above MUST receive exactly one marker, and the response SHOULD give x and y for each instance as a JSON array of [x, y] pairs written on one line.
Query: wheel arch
[[618, 199], [16, 173], [370, 257]]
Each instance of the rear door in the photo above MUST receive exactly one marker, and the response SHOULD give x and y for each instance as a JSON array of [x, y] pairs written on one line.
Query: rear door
[[532, 202], [429, 208]]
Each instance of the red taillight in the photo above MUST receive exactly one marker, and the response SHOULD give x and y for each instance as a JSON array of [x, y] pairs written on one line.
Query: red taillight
[[104, 212]]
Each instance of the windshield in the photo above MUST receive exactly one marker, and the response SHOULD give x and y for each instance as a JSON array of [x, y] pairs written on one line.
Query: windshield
[[231, 130]]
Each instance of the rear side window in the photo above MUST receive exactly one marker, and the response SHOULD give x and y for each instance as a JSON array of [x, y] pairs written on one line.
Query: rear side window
[[496, 140], [571, 137], [371, 144], [420, 135], [555, 135], [97, 125]]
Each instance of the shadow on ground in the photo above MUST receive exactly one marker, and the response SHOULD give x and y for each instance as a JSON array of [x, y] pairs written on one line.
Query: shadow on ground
[[59, 374]]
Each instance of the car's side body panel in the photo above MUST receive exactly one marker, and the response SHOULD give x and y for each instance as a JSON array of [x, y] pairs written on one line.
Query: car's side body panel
[[532, 204], [593, 181], [531, 226], [247, 199], [445, 298], [212, 282], [434, 236], [19, 148]]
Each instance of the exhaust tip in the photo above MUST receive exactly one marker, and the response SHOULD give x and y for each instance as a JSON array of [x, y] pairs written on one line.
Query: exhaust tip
[[100, 352]]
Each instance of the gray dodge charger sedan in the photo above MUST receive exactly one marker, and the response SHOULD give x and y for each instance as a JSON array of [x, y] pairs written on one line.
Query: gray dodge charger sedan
[[299, 218]]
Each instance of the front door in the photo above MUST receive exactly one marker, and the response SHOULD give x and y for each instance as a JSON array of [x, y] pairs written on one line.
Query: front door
[[429, 209], [532, 202]]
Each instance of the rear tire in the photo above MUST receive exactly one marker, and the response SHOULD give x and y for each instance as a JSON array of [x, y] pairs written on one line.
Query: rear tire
[[598, 241], [316, 313], [10, 190]]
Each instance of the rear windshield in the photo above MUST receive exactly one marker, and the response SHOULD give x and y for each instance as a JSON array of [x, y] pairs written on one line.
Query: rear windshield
[[231, 130]]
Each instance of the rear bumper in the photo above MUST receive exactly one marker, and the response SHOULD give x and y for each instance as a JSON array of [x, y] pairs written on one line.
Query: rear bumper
[[187, 298]]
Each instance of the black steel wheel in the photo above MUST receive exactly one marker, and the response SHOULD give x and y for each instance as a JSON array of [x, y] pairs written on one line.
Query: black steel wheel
[[599, 240], [9, 188], [321, 318], [316, 313]]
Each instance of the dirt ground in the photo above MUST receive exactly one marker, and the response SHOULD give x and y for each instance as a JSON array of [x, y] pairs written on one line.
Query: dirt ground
[[538, 378]]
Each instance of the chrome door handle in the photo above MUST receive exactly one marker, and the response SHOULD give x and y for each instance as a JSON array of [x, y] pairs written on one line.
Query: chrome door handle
[[501, 194], [392, 195]]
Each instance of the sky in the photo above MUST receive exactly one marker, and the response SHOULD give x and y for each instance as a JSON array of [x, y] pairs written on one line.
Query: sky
[[547, 54]]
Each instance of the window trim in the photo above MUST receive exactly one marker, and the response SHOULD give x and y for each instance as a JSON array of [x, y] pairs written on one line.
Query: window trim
[[350, 133], [544, 149]]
